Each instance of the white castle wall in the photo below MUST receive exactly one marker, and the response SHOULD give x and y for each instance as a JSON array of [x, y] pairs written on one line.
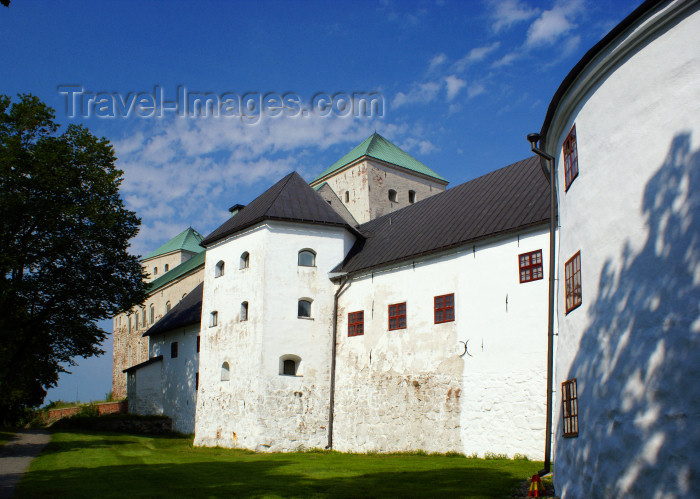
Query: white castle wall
[[178, 375], [258, 408], [634, 213], [409, 389]]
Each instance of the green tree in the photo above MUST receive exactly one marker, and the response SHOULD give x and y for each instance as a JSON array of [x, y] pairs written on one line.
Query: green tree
[[64, 264]]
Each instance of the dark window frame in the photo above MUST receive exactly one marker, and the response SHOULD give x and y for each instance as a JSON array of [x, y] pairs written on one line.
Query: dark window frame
[[572, 280], [530, 271], [356, 323], [569, 405], [444, 310], [396, 314], [570, 151]]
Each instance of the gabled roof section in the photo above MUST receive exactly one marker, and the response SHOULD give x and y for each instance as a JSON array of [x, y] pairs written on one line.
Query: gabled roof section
[[510, 199], [377, 147], [185, 313], [187, 240], [179, 271], [290, 199]]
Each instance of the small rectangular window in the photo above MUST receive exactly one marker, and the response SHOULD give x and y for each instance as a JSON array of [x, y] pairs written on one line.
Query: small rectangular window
[[445, 308], [356, 323], [570, 158], [173, 350], [397, 316], [213, 319], [569, 402], [197, 344], [530, 266], [572, 274], [196, 381]]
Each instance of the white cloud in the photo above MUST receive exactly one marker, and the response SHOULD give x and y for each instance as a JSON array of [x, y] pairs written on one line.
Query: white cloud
[[506, 60], [420, 93], [476, 54], [552, 24], [475, 89], [436, 62], [506, 13], [454, 85]]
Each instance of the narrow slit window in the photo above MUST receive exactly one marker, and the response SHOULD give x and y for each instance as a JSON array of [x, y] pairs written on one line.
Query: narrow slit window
[[213, 319], [245, 260], [569, 401], [198, 343], [356, 323], [570, 158], [219, 269], [347, 196], [244, 311], [173, 350], [167, 267], [530, 266], [444, 308], [151, 314], [304, 308], [196, 381], [167, 307], [225, 372], [307, 258], [155, 270], [572, 273], [411, 197], [397, 316]]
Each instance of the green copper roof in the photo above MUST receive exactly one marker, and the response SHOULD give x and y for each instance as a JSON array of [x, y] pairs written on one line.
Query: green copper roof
[[179, 271], [376, 146], [187, 240]]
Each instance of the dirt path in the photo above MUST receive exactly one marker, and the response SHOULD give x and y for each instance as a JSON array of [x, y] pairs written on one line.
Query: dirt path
[[16, 455]]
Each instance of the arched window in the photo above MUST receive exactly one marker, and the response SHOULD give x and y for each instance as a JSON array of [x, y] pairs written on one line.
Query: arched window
[[155, 270], [289, 365], [214, 319], [129, 323], [347, 196], [411, 197], [307, 258], [245, 260], [392, 195], [183, 296], [143, 317], [167, 267], [244, 311], [152, 314], [225, 372], [167, 307], [304, 308], [219, 269], [136, 322]]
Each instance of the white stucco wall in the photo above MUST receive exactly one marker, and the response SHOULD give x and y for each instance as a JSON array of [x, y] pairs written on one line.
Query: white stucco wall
[[409, 389], [258, 408], [144, 390], [178, 375], [634, 213]]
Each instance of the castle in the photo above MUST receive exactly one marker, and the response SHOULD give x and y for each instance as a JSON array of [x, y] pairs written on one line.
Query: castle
[[376, 310]]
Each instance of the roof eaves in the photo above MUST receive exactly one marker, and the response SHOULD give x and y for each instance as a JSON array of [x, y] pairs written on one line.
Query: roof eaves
[[150, 361]]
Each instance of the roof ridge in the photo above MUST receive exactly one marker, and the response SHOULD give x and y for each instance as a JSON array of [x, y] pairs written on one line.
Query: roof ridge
[[289, 177]]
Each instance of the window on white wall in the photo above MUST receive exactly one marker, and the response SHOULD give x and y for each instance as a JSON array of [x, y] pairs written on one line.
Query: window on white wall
[[304, 308], [245, 260], [392, 195], [219, 269], [307, 258], [225, 372], [289, 365], [143, 317], [530, 266], [213, 319], [151, 314], [155, 270], [244, 311]]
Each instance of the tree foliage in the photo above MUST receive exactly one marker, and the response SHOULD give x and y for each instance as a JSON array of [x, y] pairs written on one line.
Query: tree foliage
[[64, 235]]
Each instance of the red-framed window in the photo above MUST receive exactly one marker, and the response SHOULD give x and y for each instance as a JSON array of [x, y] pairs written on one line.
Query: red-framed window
[[569, 402], [397, 316], [570, 158], [572, 274], [356, 323], [444, 308], [530, 266]]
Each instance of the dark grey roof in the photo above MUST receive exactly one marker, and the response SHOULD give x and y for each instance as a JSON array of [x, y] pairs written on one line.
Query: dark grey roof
[[188, 311], [330, 197], [143, 364], [290, 199], [503, 201]]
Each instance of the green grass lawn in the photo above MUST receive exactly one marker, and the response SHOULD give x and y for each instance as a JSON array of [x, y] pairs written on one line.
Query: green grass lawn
[[92, 464], [5, 435]]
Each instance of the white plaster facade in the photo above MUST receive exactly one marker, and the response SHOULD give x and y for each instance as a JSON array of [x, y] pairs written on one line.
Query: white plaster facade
[[634, 214], [415, 388], [257, 407]]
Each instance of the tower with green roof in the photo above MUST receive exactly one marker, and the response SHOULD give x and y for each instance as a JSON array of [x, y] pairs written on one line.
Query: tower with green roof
[[171, 254], [377, 177]]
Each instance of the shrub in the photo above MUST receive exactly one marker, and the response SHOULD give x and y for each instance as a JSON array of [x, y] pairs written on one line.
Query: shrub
[[493, 455]]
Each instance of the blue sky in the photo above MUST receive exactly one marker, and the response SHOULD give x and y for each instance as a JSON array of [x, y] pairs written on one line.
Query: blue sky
[[462, 83]]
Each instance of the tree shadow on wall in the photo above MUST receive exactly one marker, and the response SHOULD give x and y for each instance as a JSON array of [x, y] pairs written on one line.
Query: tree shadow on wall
[[638, 364]]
